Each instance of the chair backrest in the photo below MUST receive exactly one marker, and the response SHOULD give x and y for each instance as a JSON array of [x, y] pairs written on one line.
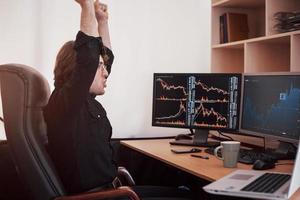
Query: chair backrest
[[24, 93]]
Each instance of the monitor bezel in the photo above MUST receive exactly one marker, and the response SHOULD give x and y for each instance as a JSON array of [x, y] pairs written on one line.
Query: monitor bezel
[[197, 127], [260, 134]]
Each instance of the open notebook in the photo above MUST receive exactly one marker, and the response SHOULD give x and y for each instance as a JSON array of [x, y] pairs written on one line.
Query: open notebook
[[258, 184]]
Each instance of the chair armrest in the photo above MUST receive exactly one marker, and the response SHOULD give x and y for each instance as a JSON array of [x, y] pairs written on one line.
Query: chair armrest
[[122, 172], [112, 193]]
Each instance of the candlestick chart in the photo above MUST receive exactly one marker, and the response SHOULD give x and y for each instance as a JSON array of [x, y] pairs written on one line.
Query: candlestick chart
[[196, 100]]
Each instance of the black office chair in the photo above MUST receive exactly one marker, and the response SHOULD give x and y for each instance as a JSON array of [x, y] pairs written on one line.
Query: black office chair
[[24, 93]]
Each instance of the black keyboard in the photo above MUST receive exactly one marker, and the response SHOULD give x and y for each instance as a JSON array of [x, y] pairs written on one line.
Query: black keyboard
[[247, 156], [267, 183]]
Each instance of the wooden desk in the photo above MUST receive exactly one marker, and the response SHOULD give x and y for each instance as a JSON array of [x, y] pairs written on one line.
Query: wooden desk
[[211, 169]]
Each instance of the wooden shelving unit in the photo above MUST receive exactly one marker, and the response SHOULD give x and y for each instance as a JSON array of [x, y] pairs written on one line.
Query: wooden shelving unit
[[295, 50], [265, 50]]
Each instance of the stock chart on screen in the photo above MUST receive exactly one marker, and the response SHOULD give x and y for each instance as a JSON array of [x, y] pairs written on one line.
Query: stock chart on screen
[[196, 100], [271, 105]]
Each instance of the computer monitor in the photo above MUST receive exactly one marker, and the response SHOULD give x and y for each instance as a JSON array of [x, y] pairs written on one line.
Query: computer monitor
[[271, 106], [203, 102]]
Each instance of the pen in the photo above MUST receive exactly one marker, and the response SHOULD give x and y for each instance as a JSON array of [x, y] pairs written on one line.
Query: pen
[[199, 156]]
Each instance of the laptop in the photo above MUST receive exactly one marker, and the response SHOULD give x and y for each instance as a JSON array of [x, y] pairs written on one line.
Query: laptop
[[258, 184]]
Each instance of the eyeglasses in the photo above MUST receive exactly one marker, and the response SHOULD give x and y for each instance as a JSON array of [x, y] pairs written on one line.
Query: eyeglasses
[[102, 65]]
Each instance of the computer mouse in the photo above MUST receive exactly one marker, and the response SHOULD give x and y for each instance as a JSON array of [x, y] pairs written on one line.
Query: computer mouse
[[183, 137], [263, 165]]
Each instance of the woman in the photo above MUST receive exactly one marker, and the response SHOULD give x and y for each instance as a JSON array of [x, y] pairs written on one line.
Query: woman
[[79, 131]]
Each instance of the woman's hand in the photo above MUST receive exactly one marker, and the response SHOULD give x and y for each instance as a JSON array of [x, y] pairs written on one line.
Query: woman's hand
[[101, 11], [84, 2]]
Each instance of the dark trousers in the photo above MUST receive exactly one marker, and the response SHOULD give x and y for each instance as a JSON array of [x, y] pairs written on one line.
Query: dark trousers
[[160, 193]]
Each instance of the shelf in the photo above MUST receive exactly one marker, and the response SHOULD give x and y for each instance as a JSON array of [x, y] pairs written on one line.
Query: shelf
[[233, 45], [274, 6], [229, 45], [266, 50], [271, 55], [239, 4], [295, 49], [226, 45], [255, 15], [228, 60]]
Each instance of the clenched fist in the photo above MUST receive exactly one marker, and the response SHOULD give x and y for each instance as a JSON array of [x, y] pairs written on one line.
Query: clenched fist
[[83, 2], [101, 11]]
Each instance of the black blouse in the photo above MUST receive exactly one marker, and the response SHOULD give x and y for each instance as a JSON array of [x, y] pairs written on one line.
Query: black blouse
[[79, 131]]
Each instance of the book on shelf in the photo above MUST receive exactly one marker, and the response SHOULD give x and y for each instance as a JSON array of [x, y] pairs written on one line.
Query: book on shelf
[[222, 24], [233, 27]]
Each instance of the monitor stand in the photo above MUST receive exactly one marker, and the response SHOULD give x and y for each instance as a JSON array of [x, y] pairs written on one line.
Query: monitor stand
[[199, 139]]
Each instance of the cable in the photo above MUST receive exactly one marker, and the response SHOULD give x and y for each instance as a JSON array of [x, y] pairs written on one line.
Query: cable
[[1, 119], [230, 138]]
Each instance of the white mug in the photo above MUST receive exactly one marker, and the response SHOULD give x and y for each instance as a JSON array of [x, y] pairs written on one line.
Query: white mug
[[230, 153]]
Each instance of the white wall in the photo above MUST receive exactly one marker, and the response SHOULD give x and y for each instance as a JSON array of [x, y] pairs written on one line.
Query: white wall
[[19, 33], [147, 36]]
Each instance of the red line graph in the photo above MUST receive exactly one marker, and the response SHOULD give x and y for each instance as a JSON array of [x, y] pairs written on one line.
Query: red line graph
[[180, 112], [166, 86], [201, 110], [207, 100], [210, 125], [178, 122], [163, 98], [192, 101], [208, 89]]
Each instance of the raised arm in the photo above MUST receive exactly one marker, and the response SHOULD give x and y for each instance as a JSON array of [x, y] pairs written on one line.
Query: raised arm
[[102, 19], [76, 65], [88, 22]]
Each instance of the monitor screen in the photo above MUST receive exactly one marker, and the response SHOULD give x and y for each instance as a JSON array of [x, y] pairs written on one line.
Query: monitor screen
[[209, 101], [271, 105]]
